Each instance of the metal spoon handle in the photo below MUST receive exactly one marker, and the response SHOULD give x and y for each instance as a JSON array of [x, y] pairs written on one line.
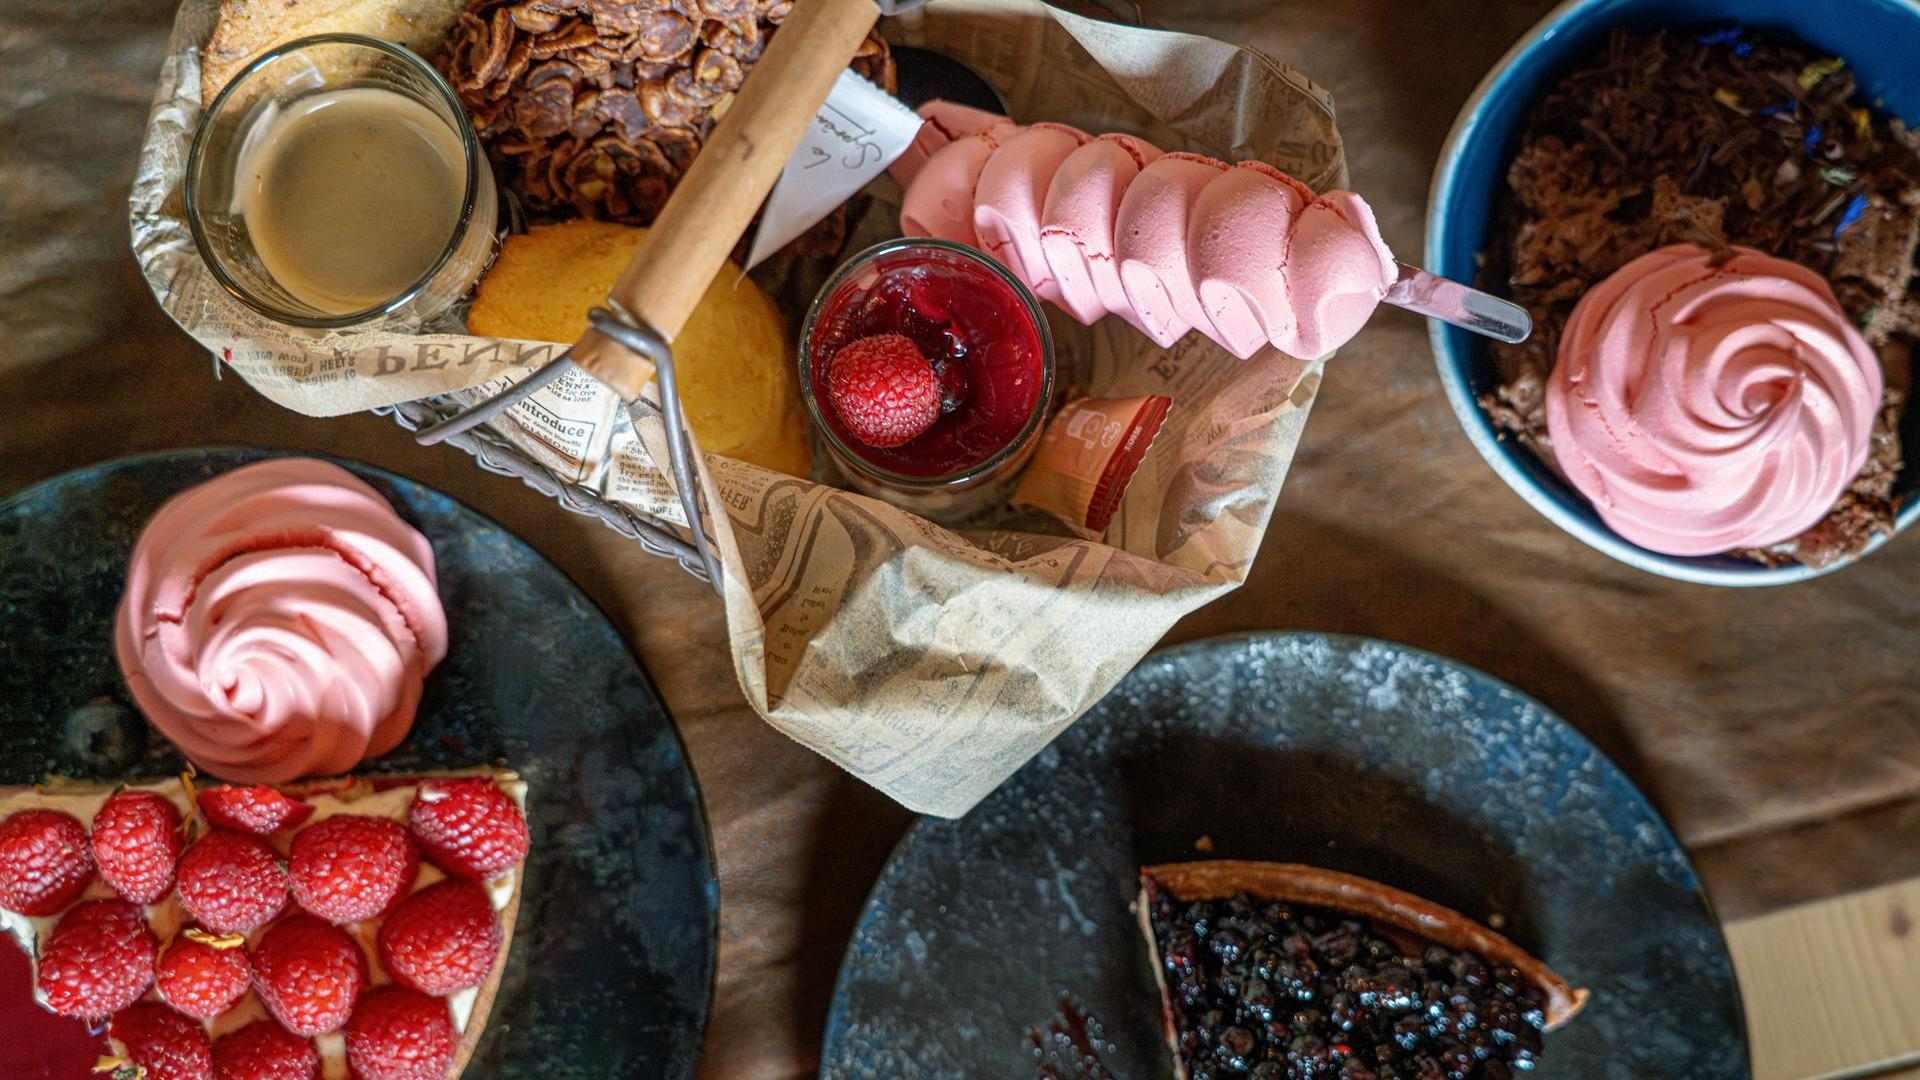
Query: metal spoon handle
[[1459, 305]]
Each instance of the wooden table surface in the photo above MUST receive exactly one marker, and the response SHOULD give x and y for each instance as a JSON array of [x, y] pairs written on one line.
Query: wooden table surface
[[1778, 730]]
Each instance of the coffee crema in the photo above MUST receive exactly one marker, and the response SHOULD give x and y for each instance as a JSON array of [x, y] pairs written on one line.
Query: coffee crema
[[350, 196]]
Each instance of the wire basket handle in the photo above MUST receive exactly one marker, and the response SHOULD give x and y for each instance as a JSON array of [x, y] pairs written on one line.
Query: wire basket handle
[[630, 339], [727, 182]]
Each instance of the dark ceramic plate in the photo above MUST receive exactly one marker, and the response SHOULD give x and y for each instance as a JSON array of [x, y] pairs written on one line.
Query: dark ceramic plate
[[611, 971], [1352, 754]]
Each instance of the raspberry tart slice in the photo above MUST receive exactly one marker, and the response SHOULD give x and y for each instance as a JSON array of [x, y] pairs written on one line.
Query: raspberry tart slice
[[1278, 970], [192, 989]]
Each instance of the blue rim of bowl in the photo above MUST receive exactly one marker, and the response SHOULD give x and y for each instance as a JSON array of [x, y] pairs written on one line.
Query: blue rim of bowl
[[1501, 455]]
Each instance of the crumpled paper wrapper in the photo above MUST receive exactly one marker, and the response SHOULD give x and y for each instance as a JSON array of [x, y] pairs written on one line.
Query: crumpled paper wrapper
[[930, 662]]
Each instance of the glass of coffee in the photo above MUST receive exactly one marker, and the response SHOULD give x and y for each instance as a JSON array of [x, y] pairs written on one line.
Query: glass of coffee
[[336, 182]]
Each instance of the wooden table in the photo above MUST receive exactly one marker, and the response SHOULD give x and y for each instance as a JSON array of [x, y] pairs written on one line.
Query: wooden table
[[1778, 730]]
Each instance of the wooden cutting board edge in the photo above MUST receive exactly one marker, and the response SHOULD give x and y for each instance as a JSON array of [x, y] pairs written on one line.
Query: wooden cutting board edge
[[1832, 988]]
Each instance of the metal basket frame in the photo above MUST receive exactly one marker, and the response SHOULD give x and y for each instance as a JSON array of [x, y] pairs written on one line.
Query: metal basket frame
[[492, 451]]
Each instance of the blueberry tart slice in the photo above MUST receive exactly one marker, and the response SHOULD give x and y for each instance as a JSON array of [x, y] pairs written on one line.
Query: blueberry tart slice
[[1276, 970]]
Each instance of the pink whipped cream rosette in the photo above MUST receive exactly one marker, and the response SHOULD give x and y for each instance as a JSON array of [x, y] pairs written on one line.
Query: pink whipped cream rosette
[[1704, 408], [279, 621]]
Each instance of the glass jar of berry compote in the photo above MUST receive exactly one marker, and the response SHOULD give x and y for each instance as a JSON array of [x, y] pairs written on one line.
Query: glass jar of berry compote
[[929, 371]]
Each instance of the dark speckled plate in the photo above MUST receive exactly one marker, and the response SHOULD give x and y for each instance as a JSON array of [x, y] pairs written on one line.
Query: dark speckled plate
[[611, 971], [1353, 754]]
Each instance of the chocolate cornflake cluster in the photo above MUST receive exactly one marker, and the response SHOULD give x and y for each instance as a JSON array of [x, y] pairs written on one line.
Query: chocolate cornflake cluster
[[1716, 136], [596, 108], [1270, 991]]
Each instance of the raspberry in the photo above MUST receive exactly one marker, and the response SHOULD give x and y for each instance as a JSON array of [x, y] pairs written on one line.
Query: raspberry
[[231, 882], [259, 810], [400, 1034], [469, 827], [98, 961], [308, 973], [45, 861], [884, 390], [164, 1043], [263, 1050], [201, 974], [441, 939], [349, 868], [136, 840]]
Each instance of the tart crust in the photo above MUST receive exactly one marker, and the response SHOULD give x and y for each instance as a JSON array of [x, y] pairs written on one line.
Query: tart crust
[[1219, 879]]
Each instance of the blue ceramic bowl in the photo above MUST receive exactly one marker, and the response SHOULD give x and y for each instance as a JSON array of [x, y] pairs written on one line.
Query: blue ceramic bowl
[[1879, 38]]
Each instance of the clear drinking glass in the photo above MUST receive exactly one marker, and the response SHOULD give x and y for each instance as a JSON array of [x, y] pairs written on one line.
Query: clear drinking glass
[[279, 80]]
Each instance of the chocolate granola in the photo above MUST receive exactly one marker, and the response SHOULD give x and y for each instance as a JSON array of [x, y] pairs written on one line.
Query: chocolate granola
[[1717, 137], [595, 108]]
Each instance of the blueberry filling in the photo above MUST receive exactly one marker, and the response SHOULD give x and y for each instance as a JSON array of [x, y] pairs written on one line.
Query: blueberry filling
[[1271, 991]]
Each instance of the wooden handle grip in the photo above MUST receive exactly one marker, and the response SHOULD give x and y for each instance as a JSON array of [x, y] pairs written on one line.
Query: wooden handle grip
[[729, 178]]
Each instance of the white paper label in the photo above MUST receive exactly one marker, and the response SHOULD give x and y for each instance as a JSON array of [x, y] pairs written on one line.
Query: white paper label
[[857, 133]]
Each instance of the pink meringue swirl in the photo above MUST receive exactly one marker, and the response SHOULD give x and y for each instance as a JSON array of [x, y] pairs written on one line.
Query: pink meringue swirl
[[1108, 225], [278, 622], [1705, 408]]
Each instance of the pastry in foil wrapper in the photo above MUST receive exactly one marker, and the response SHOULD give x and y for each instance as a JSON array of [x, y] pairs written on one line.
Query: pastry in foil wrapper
[[1091, 449]]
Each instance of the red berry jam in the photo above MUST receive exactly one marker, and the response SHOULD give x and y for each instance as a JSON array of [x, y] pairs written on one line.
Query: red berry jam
[[984, 340]]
